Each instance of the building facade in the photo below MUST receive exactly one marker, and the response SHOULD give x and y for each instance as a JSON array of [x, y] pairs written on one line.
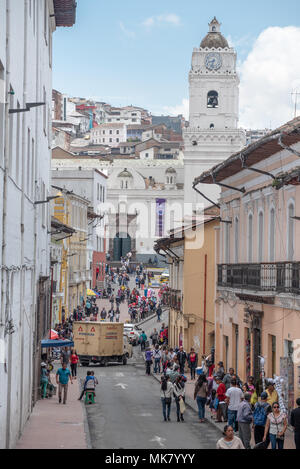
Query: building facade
[[212, 134], [26, 30], [258, 286], [110, 134]]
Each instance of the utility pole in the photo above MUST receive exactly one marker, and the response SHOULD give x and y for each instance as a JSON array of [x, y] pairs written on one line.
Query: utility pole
[[296, 94]]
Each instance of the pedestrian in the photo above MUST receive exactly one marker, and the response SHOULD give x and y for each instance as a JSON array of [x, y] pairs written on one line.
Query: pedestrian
[[89, 384], [295, 422], [200, 395], [220, 372], [181, 356], [44, 380], [142, 340], [154, 337], [229, 440], [179, 394], [234, 396], [276, 426], [156, 354], [228, 377], [158, 313], [148, 358], [221, 400], [260, 414], [117, 315], [63, 375], [166, 390], [244, 419], [65, 356], [272, 393], [192, 359], [73, 361]]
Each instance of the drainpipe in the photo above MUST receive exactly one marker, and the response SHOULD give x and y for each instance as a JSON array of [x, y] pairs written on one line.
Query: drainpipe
[[204, 306], [23, 272]]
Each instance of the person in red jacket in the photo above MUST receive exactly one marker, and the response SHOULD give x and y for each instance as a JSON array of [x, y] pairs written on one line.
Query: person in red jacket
[[220, 394], [73, 361]]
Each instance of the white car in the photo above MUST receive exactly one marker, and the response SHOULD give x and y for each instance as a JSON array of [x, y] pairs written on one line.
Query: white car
[[132, 332]]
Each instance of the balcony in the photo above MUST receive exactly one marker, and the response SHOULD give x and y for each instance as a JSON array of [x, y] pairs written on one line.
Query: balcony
[[280, 277]]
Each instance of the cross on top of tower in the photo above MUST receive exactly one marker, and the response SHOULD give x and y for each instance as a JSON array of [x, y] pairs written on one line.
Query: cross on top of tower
[[214, 26]]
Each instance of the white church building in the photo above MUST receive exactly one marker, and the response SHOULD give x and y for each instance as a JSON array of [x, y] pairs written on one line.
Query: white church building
[[212, 134]]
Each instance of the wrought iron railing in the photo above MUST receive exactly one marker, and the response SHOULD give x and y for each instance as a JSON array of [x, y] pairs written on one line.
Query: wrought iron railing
[[280, 277]]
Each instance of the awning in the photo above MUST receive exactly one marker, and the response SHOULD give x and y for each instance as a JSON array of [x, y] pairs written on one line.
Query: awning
[[47, 343]]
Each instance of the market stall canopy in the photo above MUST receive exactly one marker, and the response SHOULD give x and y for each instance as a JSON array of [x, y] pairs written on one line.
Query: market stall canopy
[[47, 343], [90, 292], [53, 334]]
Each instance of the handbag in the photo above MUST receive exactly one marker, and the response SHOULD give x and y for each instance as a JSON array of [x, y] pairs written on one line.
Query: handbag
[[168, 400], [182, 406]]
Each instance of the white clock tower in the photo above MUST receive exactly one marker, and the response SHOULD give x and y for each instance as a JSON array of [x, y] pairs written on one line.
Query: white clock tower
[[212, 134]]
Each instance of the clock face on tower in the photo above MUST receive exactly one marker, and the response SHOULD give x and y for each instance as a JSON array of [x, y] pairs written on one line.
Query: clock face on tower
[[213, 61]]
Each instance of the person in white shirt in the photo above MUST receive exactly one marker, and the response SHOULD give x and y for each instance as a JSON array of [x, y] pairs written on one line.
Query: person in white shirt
[[156, 354], [166, 391], [234, 397]]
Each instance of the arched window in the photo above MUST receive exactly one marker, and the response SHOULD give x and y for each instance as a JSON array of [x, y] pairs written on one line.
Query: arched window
[[212, 99], [236, 239], [250, 237], [290, 232], [260, 236], [272, 235]]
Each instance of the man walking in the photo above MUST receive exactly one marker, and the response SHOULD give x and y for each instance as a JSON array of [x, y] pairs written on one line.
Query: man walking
[[181, 356], [228, 377], [260, 413], [234, 396], [62, 379], [244, 418], [156, 354], [295, 422], [142, 340], [154, 337]]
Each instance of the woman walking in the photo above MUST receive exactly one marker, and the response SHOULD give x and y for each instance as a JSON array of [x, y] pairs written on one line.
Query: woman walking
[[229, 441], [200, 394], [192, 362], [277, 425], [166, 390], [74, 360], [179, 394]]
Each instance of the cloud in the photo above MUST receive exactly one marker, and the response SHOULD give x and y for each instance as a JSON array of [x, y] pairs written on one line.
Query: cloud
[[126, 31], [269, 75], [182, 108], [169, 18]]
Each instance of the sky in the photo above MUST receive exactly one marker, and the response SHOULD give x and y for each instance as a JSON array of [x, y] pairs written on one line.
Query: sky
[[139, 52]]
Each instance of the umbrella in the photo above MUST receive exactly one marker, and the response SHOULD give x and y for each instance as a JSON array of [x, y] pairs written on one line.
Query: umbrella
[[90, 292], [53, 334], [57, 343], [96, 293]]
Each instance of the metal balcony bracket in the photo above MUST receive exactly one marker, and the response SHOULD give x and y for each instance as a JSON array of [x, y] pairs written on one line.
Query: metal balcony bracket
[[242, 190], [291, 150], [226, 221], [205, 197], [172, 252], [28, 107], [260, 171], [296, 218]]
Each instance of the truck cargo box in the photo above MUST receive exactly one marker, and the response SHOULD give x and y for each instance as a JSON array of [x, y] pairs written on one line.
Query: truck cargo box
[[103, 339]]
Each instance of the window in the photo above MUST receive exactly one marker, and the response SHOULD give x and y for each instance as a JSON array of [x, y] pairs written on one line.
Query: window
[[117, 132], [110, 140], [290, 233], [236, 240], [110, 132], [227, 242], [272, 235], [212, 99], [250, 237], [260, 236], [117, 140]]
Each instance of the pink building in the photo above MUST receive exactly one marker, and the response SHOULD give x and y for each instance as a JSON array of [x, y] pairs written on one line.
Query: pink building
[[257, 309]]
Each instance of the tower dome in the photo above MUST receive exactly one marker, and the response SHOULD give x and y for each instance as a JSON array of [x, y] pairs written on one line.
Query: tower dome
[[214, 38]]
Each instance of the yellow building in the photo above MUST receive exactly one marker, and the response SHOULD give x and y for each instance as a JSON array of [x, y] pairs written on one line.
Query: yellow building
[[72, 210], [191, 255]]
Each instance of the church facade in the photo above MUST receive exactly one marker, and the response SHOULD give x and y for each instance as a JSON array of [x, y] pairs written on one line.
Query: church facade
[[212, 134]]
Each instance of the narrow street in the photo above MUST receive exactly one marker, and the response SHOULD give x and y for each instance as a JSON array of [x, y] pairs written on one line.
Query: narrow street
[[128, 414]]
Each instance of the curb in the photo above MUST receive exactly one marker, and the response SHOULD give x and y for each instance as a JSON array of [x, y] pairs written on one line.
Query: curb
[[189, 404], [149, 318], [85, 423]]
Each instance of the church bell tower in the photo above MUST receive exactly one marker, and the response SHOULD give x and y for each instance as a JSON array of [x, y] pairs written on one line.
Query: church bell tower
[[212, 134]]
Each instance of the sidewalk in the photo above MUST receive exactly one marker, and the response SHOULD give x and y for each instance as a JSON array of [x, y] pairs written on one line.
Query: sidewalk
[[56, 426]]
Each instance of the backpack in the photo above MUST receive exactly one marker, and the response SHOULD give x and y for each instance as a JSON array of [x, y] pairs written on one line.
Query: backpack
[[259, 415]]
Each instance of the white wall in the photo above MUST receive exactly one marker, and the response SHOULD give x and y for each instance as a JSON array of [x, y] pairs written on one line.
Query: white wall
[[27, 65]]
